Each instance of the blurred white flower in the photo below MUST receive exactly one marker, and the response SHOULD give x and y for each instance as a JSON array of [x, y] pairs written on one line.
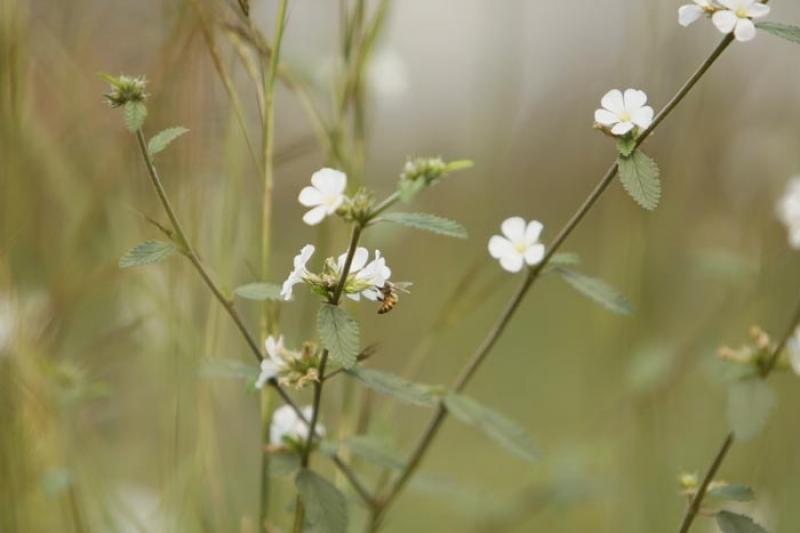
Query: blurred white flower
[[299, 273], [788, 210], [691, 12], [8, 323], [388, 74], [287, 425], [622, 113], [274, 363], [793, 349], [373, 275], [519, 244], [324, 196], [737, 16]]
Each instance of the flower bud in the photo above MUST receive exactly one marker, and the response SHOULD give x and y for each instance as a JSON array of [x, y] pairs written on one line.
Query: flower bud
[[125, 89]]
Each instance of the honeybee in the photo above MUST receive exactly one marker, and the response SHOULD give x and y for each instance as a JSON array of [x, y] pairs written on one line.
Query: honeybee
[[389, 297]]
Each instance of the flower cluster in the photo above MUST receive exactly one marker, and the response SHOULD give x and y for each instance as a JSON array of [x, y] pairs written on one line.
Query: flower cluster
[[125, 89], [752, 356], [519, 245], [727, 15], [290, 368], [288, 430], [622, 113]]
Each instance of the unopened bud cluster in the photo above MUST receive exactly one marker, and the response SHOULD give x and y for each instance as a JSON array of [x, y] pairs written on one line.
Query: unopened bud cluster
[[125, 89]]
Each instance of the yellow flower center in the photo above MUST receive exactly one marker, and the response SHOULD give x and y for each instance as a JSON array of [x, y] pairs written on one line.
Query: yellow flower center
[[742, 13], [625, 117], [520, 247], [330, 200]]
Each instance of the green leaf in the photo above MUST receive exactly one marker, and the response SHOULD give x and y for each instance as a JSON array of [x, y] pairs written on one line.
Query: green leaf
[[784, 31], [626, 145], [258, 291], [497, 426], [428, 222], [639, 175], [326, 507], [737, 493], [736, 523], [226, 368], [134, 113], [750, 403], [401, 389], [283, 463], [459, 164], [375, 451], [597, 290], [147, 252], [408, 189], [564, 259], [339, 334], [162, 139]]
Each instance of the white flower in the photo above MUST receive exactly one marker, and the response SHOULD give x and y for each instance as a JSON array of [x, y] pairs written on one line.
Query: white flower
[[299, 273], [287, 425], [325, 195], [275, 363], [519, 245], [736, 16], [788, 209], [622, 113], [375, 274], [793, 349], [691, 12]]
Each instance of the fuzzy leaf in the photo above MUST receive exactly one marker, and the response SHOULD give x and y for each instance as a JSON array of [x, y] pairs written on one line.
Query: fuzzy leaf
[[258, 291], [226, 368], [326, 507], [427, 222], [134, 113], [784, 31], [283, 463], [146, 253], [626, 146], [375, 451], [639, 175], [564, 259], [736, 523], [737, 493], [597, 290], [162, 139], [750, 403], [395, 386], [408, 189], [495, 425], [339, 334]]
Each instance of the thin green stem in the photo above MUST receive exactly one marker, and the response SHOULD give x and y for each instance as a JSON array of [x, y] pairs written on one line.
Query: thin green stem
[[531, 276]]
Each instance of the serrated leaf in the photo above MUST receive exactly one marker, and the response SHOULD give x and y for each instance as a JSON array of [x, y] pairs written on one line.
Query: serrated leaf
[[730, 522], [626, 146], [408, 189], [750, 403], [400, 388], [428, 222], [597, 290], [459, 164], [258, 291], [146, 253], [639, 175], [784, 31], [339, 334], [162, 139], [495, 425], [283, 463], [134, 114], [326, 507], [375, 451], [737, 493]]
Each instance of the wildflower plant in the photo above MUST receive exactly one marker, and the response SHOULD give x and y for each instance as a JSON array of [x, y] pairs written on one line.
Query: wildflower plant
[[361, 275]]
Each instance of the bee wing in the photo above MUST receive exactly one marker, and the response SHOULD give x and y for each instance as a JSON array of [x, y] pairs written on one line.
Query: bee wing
[[402, 286]]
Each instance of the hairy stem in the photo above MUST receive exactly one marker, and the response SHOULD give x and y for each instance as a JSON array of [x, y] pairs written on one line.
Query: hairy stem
[[531, 276]]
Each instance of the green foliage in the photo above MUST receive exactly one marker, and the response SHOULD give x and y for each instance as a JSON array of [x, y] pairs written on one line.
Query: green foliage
[[161, 140], [428, 222], [226, 368], [496, 425], [423, 172], [784, 31], [750, 403], [258, 291], [730, 522], [374, 450], [626, 145], [134, 113], [640, 176], [409, 189], [326, 507], [399, 388], [339, 334], [562, 259], [146, 253], [737, 493], [597, 290], [283, 463]]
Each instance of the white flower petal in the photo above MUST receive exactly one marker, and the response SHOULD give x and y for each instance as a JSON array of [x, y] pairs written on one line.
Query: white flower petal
[[733, 5], [315, 216], [634, 99], [613, 101], [329, 181], [268, 371], [725, 21], [514, 229], [534, 254], [605, 117], [512, 263], [758, 10], [500, 247], [622, 128], [310, 197], [745, 30], [793, 348], [643, 117], [533, 231], [688, 14]]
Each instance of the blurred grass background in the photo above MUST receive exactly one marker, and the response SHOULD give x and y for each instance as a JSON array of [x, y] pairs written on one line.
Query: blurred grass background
[[107, 424]]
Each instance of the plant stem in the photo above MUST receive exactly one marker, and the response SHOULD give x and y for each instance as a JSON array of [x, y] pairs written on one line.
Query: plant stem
[[531, 276], [697, 501], [318, 385]]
